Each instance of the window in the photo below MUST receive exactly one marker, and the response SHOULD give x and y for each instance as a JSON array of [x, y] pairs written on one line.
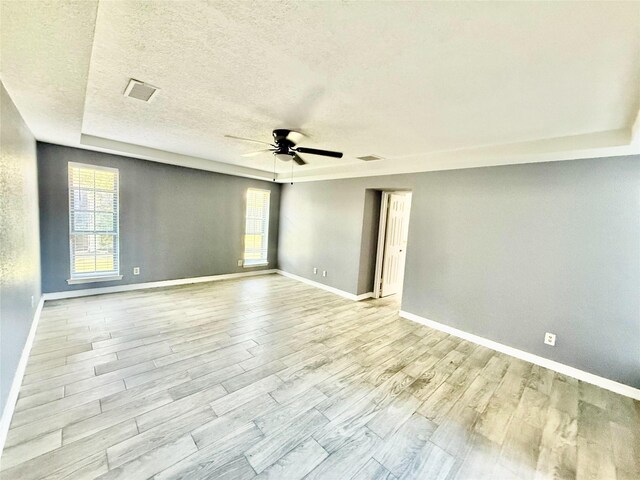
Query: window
[[257, 227], [93, 223]]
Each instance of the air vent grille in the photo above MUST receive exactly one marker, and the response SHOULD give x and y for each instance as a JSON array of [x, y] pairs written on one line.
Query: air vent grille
[[140, 90], [369, 158]]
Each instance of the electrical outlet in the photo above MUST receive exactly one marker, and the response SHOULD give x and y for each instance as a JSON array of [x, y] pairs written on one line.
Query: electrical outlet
[[324, 273], [315, 271], [239, 263], [136, 270], [550, 339], [33, 301]]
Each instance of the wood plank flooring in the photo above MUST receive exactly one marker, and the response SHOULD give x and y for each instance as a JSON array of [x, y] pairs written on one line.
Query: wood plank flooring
[[269, 378]]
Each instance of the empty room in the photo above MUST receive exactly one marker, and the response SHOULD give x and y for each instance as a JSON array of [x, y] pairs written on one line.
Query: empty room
[[335, 240]]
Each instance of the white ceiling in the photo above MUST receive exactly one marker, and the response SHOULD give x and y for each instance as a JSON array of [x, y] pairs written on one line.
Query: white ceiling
[[427, 85]]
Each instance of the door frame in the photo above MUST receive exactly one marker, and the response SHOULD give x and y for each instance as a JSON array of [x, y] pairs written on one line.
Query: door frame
[[382, 231]]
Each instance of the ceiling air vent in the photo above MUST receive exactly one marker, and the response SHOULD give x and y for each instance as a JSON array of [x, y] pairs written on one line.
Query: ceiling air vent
[[140, 90], [369, 158]]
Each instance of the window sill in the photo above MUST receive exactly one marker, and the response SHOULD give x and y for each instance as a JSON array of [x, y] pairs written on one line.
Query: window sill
[[253, 265], [77, 281]]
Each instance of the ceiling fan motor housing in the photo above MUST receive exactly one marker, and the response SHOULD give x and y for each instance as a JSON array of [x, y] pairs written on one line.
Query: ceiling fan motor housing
[[280, 134]]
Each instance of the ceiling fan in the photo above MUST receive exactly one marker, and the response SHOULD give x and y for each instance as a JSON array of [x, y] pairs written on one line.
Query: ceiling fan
[[283, 148]]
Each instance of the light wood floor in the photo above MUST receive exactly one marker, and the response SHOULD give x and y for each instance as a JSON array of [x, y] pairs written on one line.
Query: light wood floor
[[267, 377]]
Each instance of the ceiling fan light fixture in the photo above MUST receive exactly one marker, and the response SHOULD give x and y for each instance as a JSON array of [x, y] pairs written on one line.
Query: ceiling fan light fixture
[[285, 157]]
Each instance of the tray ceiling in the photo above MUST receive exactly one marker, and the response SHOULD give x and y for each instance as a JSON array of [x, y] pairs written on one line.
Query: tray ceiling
[[425, 85]]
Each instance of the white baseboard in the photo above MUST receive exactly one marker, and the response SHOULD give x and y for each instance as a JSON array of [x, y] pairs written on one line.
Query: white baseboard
[[10, 405], [140, 286], [337, 291], [602, 382]]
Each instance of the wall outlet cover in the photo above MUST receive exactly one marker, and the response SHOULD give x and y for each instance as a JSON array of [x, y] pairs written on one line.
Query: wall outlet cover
[[315, 271], [324, 273], [239, 263], [550, 339], [136, 270]]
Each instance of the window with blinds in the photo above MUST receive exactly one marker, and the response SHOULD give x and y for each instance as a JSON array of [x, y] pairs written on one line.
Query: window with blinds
[[93, 221], [257, 227]]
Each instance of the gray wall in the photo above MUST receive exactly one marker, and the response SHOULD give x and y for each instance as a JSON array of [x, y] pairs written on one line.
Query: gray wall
[[506, 253], [174, 222], [19, 239], [321, 226]]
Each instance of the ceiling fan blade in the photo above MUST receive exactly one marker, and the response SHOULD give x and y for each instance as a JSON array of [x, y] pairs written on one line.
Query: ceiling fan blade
[[298, 160], [259, 152], [249, 140], [315, 151], [296, 135]]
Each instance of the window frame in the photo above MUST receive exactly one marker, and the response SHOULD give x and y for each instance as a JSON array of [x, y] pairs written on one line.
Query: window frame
[[91, 277], [262, 262]]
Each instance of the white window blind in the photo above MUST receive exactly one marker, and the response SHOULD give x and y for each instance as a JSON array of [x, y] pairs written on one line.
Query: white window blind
[[257, 227], [93, 221]]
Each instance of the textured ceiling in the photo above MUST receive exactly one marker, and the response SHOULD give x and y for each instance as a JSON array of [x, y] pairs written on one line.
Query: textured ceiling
[[45, 48], [427, 85]]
